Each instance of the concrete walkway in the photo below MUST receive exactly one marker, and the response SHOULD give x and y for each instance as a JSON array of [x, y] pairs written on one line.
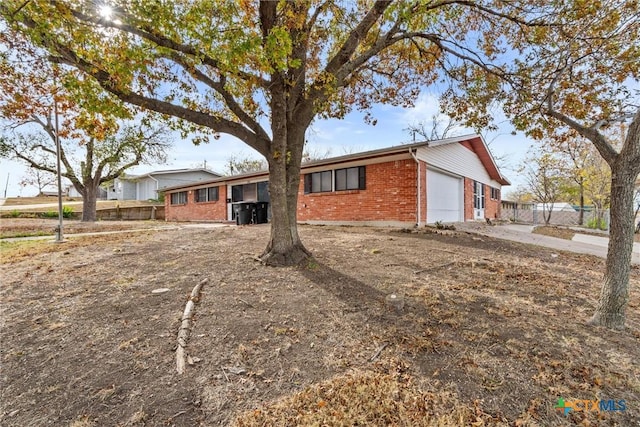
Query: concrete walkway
[[584, 244], [600, 241]]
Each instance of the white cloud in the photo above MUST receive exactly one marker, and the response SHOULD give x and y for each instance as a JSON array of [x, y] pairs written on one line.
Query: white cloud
[[426, 106]]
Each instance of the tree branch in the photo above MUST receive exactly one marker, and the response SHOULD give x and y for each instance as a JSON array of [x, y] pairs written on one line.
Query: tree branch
[[147, 33], [215, 123], [605, 149], [218, 86]]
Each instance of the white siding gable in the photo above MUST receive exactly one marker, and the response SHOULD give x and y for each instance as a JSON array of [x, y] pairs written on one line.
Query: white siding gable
[[457, 159]]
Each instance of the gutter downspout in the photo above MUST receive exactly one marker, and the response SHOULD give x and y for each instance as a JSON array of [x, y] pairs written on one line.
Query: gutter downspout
[[156, 186], [419, 207]]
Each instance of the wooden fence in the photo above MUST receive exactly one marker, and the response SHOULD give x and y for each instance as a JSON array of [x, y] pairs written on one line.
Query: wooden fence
[[131, 213]]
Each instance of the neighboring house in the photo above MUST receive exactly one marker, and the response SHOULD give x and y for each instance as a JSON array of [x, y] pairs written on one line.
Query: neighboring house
[[70, 191], [147, 186], [449, 180], [555, 207]]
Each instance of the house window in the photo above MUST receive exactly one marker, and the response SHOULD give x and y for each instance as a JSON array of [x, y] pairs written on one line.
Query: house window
[[317, 182], [206, 194], [478, 195], [495, 194], [350, 179], [179, 198], [337, 180]]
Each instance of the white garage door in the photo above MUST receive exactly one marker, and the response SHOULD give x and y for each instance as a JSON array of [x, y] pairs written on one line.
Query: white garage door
[[444, 197]]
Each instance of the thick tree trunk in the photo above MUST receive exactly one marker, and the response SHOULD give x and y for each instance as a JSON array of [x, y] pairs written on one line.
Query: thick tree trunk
[[615, 290], [89, 197], [285, 247], [625, 168]]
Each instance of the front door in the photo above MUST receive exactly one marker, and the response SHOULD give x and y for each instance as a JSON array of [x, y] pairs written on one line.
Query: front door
[[478, 200]]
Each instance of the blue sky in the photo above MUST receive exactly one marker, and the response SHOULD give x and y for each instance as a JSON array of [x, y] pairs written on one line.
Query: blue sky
[[348, 135]]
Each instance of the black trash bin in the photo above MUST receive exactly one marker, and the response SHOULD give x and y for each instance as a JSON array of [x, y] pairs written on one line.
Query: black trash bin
[[262, 212], [244, 213]]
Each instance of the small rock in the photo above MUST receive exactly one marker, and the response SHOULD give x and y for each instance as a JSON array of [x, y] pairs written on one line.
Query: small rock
[[554, 255], [395, 302], [160, 291], [375, 251], [193, 360], [235, 370]]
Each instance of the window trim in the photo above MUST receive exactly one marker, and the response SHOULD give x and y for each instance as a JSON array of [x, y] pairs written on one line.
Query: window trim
[[362, 178], [207, 194], [309, 178], [495, 193], [479, 195], [178, 195]]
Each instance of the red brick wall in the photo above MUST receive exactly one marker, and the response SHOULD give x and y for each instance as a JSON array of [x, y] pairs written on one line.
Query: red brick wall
[[390, 195], [201, 211], [468, 199], [491, 207]]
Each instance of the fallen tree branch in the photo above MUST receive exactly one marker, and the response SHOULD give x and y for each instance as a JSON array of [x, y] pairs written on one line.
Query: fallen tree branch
[[185, 327], [378, 351]]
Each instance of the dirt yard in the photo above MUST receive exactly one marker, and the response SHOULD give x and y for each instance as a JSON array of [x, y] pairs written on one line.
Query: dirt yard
[[491, 332], [21, 227]]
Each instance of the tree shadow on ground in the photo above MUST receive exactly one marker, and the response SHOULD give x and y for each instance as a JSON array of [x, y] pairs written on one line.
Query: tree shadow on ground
[[369, 300]]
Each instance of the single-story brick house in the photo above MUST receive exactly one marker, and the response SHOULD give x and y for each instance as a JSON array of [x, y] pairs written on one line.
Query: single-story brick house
[[448, 180]]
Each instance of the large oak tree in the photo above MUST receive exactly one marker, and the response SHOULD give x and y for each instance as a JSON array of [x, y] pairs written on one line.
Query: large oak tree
[[262, 71]]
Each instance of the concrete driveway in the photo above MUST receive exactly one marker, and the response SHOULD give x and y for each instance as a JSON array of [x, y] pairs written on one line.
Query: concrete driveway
[[581, 243]]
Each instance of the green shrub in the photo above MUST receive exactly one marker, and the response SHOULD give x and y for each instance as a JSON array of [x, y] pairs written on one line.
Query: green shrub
[[67, 212], [14, 213], [597, 224]]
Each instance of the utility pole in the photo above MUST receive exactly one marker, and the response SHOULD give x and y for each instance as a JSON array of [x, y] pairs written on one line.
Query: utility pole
[[59, 233], [6, 186]]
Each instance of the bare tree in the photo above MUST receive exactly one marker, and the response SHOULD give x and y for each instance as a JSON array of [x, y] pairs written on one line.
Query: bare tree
[[545, 180], [38, 178], [434, 129]]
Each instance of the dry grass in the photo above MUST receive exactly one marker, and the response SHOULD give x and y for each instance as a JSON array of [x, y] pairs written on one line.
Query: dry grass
[[559, 232], [76, 205], [367, 398], [16, 201], [30, 227], [24, 249], [492, 333]]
